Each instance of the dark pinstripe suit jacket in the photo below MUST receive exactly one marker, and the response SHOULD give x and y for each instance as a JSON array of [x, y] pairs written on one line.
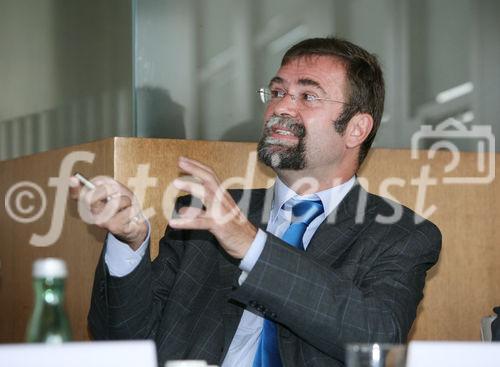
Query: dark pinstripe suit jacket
[[359, 281]]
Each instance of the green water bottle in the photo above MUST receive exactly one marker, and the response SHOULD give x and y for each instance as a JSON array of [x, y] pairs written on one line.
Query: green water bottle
[[48, 323]]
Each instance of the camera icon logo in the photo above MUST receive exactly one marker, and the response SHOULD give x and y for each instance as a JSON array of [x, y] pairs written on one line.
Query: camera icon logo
[[445, 135]]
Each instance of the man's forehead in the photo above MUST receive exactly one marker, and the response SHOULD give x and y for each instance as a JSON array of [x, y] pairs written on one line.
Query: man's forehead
[[314, 58], [312, 69]]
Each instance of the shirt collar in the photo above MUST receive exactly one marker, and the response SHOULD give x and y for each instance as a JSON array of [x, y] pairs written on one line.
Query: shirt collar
[[330, 198]]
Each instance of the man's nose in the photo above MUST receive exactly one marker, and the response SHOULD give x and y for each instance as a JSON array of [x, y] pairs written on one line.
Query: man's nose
[[286, 106]]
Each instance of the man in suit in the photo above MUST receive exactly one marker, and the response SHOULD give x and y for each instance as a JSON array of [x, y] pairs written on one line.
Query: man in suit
[[329, 264]]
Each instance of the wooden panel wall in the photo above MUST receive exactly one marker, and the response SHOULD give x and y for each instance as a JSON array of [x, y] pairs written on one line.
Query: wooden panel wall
[[460, 290], [465, 284], [79, 245]]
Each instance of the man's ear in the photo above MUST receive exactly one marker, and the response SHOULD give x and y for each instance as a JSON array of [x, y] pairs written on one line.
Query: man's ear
[[358, 129]]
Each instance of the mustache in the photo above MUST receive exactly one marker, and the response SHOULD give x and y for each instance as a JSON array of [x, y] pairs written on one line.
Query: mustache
[[291, 124]]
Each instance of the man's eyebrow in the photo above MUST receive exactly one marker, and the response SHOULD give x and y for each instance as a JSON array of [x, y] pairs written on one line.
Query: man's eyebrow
[[303, 82], [276, 80], [311, 83]]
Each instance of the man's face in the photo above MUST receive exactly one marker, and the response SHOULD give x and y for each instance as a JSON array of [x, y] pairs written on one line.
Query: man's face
[[301, 135]]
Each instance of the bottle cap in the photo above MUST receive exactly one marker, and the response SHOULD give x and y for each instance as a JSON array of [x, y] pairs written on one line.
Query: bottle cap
[[49, 268]]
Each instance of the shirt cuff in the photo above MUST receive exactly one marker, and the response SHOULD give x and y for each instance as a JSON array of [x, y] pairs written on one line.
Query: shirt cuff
[[252, 255], [120, 258]]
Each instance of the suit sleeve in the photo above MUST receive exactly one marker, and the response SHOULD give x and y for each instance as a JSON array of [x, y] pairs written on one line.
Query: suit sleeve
[[327, 309], [130, 307]]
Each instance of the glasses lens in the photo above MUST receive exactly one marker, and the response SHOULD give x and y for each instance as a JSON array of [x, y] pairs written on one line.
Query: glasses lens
[[264, 94]]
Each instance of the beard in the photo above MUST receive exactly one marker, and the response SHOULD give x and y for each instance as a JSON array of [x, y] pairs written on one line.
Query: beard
[[280, 153]]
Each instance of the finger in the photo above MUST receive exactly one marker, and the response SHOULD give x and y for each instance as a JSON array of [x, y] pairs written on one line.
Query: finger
[[133, 215], [190, 212], [190, 223], [74, 187], [125, 221], [112, 186], [102, 198], [213, 193], [198, 170], [106, 211], [77, 186], [94, 211], [196, 163], [116, 203], [209, 180], [105, 192], [193, 188]]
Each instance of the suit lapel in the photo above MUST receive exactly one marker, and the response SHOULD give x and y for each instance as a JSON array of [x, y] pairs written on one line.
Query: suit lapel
[[342, 226]]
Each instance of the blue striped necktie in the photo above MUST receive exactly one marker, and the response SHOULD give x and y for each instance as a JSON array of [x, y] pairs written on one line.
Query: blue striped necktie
[[303, 213]]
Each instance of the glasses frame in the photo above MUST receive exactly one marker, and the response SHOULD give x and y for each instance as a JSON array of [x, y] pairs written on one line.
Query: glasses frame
[[266, 91]]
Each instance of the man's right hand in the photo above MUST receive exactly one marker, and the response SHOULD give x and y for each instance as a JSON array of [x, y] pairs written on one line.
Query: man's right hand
[[112, 206]]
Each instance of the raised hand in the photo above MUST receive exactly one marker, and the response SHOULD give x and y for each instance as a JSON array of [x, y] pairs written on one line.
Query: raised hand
[[221, 216], [111, 206]]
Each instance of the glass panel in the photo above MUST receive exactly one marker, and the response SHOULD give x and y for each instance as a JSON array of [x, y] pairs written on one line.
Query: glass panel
[[66, 69], [439, 48], [208, 57], [65, 72]]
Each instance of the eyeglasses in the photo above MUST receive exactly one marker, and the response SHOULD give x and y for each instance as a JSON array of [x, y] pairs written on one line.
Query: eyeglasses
[[306, 100]]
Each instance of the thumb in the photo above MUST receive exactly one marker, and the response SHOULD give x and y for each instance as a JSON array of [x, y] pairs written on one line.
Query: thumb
[[74, 187]]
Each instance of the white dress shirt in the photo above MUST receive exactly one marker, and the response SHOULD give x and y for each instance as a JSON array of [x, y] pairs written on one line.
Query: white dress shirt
[[121, 259]]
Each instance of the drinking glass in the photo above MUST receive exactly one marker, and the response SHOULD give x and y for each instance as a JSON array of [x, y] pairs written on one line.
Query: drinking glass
[[376, 355]]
